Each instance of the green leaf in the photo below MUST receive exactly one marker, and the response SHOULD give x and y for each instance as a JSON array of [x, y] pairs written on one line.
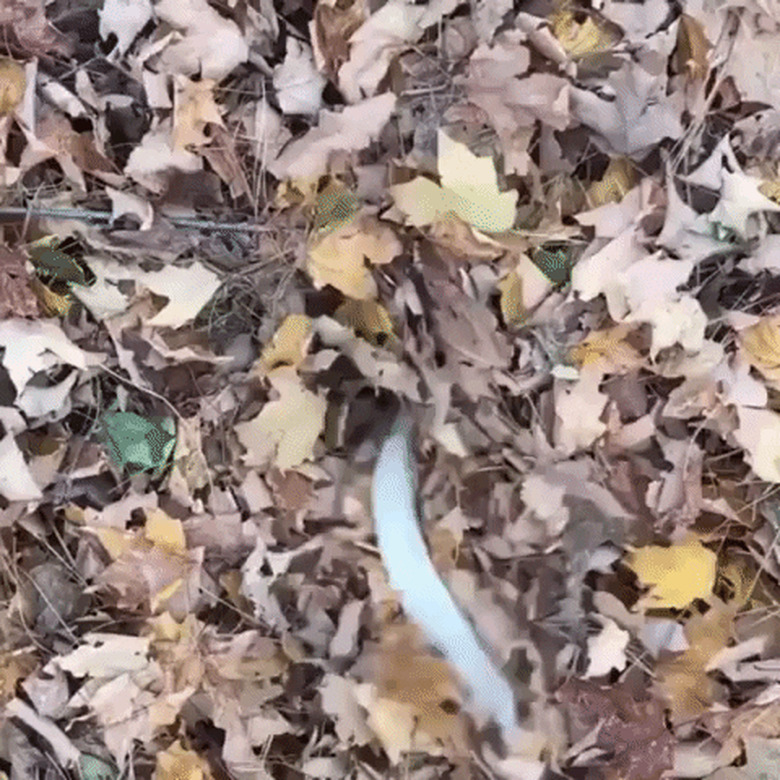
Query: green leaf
[[135, 441], [93, 768]]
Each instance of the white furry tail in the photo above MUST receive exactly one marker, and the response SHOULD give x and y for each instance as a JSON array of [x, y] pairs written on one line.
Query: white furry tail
[[424, 596]]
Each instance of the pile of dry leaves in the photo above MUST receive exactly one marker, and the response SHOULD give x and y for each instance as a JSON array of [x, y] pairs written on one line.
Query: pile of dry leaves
[[237, 232]]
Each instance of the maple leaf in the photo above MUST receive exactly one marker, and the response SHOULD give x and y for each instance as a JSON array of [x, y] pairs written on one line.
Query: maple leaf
[[469, 189], [339, 257]]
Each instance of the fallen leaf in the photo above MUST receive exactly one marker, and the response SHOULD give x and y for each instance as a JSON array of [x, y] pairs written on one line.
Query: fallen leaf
[[16, 297], [38, 345], [209, 43], [350, 130], [578, 409], [333, 25], [683, 679], [761, 345], [692, 48], [186, 290], [680, 322], [150, 160], [297, 81], [607, 351], [404, 708], [759, 434], [176, 763], [511, 302], [25, 21], [194, 108], [469, 189], [581, 38], [375, 43], [286, 429], [607, 650], [12, 85], [125, 19], [16, 480], [289, 345], [339, 258], [619, 178], [369, 319], [677, 574]]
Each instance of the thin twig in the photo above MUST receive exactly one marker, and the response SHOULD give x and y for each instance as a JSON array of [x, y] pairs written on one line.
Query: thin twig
[[19, 213]]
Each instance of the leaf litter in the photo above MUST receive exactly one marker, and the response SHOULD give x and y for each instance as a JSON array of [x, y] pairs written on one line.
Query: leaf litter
[[551, 233]]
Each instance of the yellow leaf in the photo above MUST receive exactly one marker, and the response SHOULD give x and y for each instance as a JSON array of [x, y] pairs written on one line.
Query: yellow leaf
[[770, 188], [473, 183], [176, 763], [369, 319], [405, 708], [286, 429], [580, 39], [335, 205], [469, 189], [164, 531], [12, 85], [617, 180], [194, 108], [296, 192], [339, 258], [423, 201], [511, 301], [161, 596], [54, 304], [608, 351], [761, 344], [677, 575], [289, 344], [114, 541]]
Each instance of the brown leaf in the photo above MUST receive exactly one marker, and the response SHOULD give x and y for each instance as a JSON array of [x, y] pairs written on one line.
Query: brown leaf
[[223, 158], [16, 297], [334, 24], [692, 48], [25, 21], [633, 731]]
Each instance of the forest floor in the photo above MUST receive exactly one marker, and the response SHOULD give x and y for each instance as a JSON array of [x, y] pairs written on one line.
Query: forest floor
[[237, 234]]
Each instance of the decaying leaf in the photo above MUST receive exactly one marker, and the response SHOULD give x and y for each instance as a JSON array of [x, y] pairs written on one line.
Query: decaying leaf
[[405, 708], [12, 85], [683, 680]]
